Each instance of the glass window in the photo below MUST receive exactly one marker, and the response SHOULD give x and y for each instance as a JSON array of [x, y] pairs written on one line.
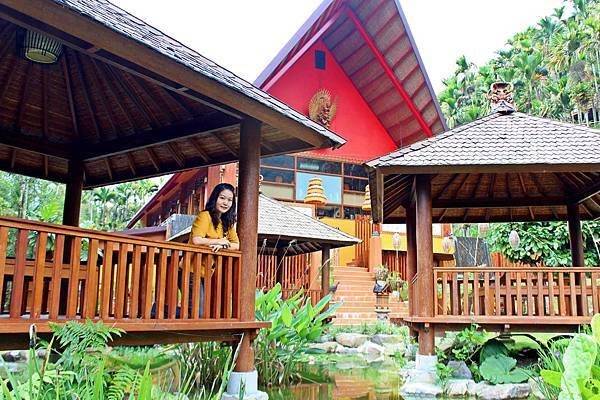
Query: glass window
[[355, 184], [329, 211], [277, 175], [279, 161], [310, 164], [355, 170], [277, 191], [354, 199], [352, 212], [332, 186]]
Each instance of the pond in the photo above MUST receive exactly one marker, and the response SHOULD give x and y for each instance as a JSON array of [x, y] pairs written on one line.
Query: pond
[[346, 377]]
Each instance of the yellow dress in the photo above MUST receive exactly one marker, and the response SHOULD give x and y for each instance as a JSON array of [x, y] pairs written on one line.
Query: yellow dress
[[204, 227]]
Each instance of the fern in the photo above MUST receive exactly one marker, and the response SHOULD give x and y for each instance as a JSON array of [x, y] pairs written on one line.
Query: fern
[[122, 381]]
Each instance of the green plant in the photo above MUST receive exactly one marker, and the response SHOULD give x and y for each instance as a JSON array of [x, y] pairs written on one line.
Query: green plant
[[205, 364], [444, 373], [465, 345], [499, 368], [381, 272], [394, 281], [294, 324]]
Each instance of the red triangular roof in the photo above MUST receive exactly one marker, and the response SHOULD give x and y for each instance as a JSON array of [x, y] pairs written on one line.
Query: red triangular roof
[[372, 42]]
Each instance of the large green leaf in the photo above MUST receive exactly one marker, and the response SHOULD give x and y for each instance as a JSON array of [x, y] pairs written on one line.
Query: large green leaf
[[551, 377], [578, 360], [501, 369]]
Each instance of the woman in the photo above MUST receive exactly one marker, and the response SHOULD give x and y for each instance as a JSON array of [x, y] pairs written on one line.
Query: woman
[[214, 227]]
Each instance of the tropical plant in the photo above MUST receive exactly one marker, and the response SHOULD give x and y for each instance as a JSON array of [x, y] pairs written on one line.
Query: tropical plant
[[294, 324], [500, 368]]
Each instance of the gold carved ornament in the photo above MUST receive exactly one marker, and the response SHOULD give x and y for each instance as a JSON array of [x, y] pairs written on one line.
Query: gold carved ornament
[[321, 108]]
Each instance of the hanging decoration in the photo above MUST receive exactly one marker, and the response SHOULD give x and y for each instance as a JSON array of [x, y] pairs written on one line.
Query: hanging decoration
[[40, 48], [397, 241], [482, 229], [366, 206], [315, 193], [513, 239], [322, 108], [448, 244]]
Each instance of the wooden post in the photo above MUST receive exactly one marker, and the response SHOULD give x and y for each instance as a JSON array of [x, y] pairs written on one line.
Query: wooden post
[[375, 248], [73, 191], [411, 256], [424, 245], [279, 265], [326, 270], [248, 231], [575, 235]]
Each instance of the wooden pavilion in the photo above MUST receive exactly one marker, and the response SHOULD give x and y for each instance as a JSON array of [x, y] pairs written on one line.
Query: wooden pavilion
[[507, 166], [119, 101]]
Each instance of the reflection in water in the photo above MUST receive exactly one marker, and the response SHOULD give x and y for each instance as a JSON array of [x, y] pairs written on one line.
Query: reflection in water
[[346, 377]]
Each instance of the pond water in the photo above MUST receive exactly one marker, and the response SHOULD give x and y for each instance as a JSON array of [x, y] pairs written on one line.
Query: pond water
[[346, 377]]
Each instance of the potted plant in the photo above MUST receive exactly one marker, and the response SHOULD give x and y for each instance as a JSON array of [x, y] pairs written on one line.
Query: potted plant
[[395, 283], [381, 274]]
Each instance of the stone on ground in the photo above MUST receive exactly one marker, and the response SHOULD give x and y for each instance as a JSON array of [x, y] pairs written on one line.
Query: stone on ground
[[420, 390], [458, 387], [371, 349], [351, 339], [460, 370], [382, 339], [328, 347], [505, 391]]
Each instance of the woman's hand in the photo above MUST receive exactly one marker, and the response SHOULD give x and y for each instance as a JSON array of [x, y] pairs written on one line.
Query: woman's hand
[[224, 242], [216, 247]]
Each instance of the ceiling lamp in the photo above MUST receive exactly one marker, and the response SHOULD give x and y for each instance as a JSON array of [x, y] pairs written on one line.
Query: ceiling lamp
[[448, 244], [366, 206], [396, 241], [41, 48], [483, 229], [513, 239], [315, 193]]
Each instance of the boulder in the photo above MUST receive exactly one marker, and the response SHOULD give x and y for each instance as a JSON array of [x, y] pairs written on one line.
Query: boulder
[[328, 347], [352, 340], [415, 375], [13, 356], [460, 370], [416, 390], [458, 387], [324, 338], [382, 339], [371, 349], [504, 391], [393, 348], [346, 350]]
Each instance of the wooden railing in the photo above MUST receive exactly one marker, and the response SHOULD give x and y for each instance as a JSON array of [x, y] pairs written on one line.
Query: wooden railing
[[52, 273], [571, 294]]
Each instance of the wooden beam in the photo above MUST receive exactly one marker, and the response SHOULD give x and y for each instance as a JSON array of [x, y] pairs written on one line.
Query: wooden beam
[[411, 258], [196, 127], [17, 140], [500, 202], [575, 235], [88, 102], [73, 191], [583, 195], [388, 71], [542, 191], [325, 270], [249, 170]]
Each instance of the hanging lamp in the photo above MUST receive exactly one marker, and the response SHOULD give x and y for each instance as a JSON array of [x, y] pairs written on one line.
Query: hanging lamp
[[448, 244], [40, 48], [315, 193], [513, 239], [366, 206]]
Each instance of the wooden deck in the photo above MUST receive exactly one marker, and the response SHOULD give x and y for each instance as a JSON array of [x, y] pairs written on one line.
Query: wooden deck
[[536, 299], [54, 273]]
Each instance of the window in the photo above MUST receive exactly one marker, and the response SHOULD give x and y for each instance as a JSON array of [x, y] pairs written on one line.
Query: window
[[277, 191], [332, 186], [352, 212], [278, 161], [355, 170], [277, 175], [357, 185], [354, 199], [311, 164], [329, 211], [319, 59]]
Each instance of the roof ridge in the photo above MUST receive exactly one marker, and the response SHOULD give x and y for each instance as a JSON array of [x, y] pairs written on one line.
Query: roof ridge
[[564, 124]]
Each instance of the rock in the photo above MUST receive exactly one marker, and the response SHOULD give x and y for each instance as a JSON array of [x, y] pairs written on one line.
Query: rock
[[328, 347], [371, 348], [346, 350], [419, 376], [350, 339], [393, 348], [460, 370], [535, 386], [420, 391], [382, 339], [411, 351], [12, 356], [41, 353], [253, 396], [458, 387], [505, 391]]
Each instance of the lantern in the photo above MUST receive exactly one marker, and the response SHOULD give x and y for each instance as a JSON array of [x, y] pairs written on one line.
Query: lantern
[[315, 193], [41, 48], [482, 229], [514, 239], [447, 244], [396, 241], [367, 203]]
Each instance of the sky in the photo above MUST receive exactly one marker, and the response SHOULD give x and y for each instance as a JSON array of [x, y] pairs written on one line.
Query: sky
[[244, 35]]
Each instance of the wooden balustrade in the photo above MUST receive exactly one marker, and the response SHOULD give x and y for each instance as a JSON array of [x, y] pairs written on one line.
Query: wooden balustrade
[[53, 273], [568, 294]]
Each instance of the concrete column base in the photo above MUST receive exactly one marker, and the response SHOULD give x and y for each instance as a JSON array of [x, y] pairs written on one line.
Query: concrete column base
[[250, 382], [426, 363]]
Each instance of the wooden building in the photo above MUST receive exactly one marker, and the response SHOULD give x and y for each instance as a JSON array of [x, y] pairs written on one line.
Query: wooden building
[[507, 166], [354, 67], [89, 96]]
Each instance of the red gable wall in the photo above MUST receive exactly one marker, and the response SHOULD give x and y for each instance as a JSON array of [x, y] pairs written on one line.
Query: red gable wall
[[354, 121]]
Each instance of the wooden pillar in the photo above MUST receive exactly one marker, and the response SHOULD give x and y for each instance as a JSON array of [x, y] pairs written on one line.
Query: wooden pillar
[[279, 265], [424, 245], [73, 191], [411, 256], [248, 232], [576, 238], [325, 270]]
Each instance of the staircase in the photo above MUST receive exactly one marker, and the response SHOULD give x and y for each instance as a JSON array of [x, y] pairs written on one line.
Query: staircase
[[355, 290]]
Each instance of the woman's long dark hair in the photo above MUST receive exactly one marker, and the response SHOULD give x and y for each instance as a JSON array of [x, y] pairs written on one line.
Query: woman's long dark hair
[[227, 219]]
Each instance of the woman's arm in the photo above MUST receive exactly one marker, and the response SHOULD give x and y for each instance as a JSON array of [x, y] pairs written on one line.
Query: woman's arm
[[204, 241]]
